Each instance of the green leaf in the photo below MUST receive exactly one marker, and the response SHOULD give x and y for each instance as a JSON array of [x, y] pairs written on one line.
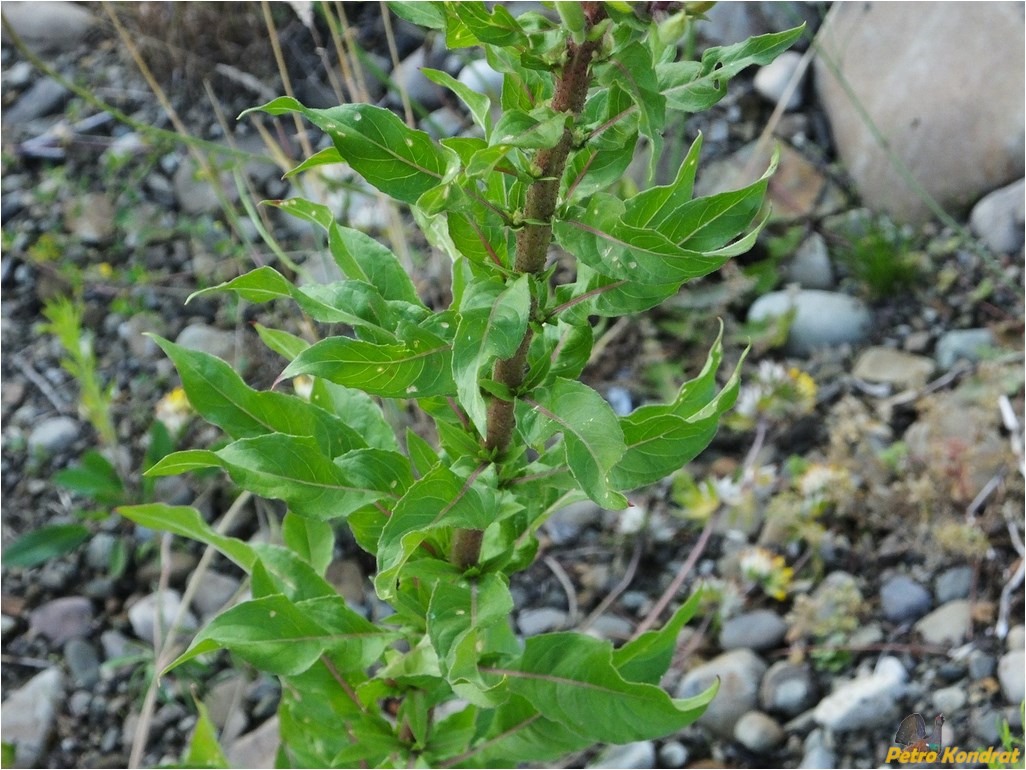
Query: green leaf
[[362, 258], [478, 104], [570, 678], [41, 545], [203, 749], [283, 343], [591, 434], [493, 322], [421, 453], [647, 658], [693, 87], [393, 371], [518, 729], [188, 522], [360, 412], [313, 541], [457, 617], [631, 68], [655, 205], [469, 23], [398, 160], [286, 638], [221, 397], [662, 438], [430, 15], [441, 499], [94, 477], [540, 128]]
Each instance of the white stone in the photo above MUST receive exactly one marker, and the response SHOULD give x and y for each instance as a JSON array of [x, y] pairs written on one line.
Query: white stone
[[48, 27], [775, 78], [53, 434], [479, 76], [810, 266], [28, 716], [868, 701], [143, 614], [1011, 675], [630, 756], [822, 318], [256, 749], [949, 104], [999, 217]]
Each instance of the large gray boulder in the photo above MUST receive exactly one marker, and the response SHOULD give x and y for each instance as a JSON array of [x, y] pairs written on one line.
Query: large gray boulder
[[942, 82]]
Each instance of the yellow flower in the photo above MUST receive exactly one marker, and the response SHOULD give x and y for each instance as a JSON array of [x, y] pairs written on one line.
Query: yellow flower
[[106, 271], [804, 383], [174, 410]]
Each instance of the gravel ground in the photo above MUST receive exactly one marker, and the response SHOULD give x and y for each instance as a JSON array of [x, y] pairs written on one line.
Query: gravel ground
[[895, 497]]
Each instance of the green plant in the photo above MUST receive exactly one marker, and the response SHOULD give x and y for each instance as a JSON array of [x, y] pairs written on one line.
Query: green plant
[[879, 254], [1014, 745], [444, 681]]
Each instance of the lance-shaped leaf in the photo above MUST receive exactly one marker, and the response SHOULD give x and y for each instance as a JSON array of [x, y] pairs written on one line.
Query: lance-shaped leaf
[[493, 322], [423, 14], [281, 571], [359, 256], [400, 161], [592, 436], [293, 469], [518, 729], [221, 397], [539, 128], [470, 23], [458, 617], [693, 86], [439, 499], [355, 303], [647, 658], [597, 294], [311, 540], [421, 368], [631, 68], [479, 104], [188, 522], [661, 438], [655, 205], [570, 678], [286, 638], [613, 123]]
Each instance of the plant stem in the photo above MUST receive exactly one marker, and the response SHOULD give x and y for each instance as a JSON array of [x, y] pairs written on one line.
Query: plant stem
[[532, 246]]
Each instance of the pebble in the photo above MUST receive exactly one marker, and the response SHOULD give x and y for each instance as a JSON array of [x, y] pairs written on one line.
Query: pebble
[[115, 645], [537, 621], [143, 614], [1011, 674], [1016, 638], [869, 700], [961, 344], [215, 591], [195, 193], [226, 704], [758, 732], [740, 672], [7, 625], [611, 627], [256, 749], [566, 524], [49, 27], [44, 97], [757, 630], [981, 665], [948, 624], [787, 688], [208, 339], [99, 550], [83, 663], [90, 218], [407, 76], [817, 751], [985, 724], [640, 755], [481, 77], [894, 367], [810, 266], [673, 754], [443, 123], [953, 583], [948, 700], [998, 218], [180, 566], [822, 318], [620, 399], [773, 79], [53, 435], [903, 600], [29, 714], [62, 619], [79, 703]]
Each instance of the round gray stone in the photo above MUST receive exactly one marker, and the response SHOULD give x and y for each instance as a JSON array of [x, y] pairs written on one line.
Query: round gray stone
[[673, 754], [481, 77], [1012, 676], [62, 619], [822, 318], [53, 434], [894, 367], [810, 266], [869, 700], [787, 688], [1016, 637], [739, 672], [949, 700], [208, 339], [961, 344], [758, 732], [640, 755], [903, 600], [953, 583], [83, 663], [946, 625], [539, 620], [49, 27], [757, 630], [772, 80], [998, 218]]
